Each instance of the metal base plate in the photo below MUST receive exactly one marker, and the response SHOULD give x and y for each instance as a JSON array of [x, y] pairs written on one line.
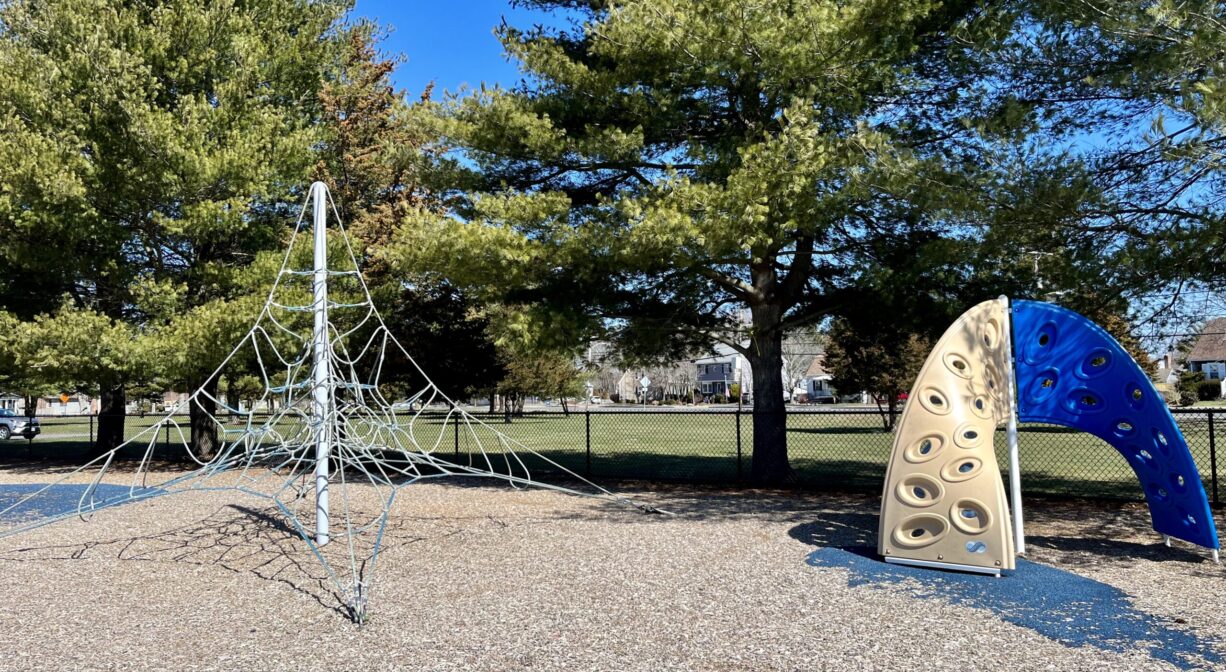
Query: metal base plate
[[932, 564]]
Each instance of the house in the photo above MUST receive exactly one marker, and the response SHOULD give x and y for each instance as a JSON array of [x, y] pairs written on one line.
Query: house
[[714, 373], [605, 373], [717, 372], [67, 404], [1208, 356], [82, 404], [12, 402], [627, 386], [56, 404], [1166, 369], [816, 381]]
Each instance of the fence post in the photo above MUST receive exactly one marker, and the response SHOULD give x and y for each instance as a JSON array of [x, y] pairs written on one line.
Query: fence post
[[91, 429], [739, 456], [587, 431], [1213, 461]]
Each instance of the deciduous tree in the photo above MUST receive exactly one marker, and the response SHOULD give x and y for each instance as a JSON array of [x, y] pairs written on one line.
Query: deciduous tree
[[548, 375], [883, 363]]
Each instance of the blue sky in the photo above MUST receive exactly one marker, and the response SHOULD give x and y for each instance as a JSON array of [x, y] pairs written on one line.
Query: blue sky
[[451, 43]]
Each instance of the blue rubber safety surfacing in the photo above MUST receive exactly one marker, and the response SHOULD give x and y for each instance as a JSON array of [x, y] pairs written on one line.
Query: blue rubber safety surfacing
[[1071, 372], [1062, 606], [63, 499]]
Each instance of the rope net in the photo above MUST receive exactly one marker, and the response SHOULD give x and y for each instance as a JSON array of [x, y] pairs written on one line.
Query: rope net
[[386, 424]]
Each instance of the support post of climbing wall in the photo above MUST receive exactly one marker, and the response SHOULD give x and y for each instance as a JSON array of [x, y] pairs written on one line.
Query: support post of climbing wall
[[1015, 469], [1015, 486], [322, 393]]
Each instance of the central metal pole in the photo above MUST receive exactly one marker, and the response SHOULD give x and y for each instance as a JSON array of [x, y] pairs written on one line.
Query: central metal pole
[[323, 394]]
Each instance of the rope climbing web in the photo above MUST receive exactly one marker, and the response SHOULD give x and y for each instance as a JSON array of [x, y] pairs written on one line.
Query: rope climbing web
[[354, 419]]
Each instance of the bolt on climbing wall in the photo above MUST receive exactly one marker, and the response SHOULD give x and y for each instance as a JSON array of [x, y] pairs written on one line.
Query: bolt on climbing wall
[[944, 501]]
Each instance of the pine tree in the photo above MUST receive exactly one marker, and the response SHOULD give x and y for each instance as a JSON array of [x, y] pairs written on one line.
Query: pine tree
[[151, 149], [667, 166]]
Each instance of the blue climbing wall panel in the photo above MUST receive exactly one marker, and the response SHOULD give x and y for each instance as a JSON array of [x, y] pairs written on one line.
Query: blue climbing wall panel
[[1071, 372]]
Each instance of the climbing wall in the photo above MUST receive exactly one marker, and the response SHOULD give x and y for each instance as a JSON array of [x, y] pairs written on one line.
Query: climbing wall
[[944, 501], [1072, 373]]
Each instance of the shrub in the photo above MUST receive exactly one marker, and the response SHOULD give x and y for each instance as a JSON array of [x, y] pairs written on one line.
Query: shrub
[[1208, 389], [1170, 395], [1189, 382]]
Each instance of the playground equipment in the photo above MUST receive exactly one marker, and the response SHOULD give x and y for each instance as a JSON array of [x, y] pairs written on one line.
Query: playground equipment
[[944, 497], [334, 428], [944, 501]]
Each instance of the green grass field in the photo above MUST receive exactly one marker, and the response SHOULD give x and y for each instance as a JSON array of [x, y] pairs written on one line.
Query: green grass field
[[827, 450]]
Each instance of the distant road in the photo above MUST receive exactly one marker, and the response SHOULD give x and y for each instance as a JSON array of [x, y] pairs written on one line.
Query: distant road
[[701, 408]]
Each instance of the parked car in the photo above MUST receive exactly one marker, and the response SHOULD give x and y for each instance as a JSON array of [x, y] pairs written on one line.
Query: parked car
[[12, 425], [824, 397]]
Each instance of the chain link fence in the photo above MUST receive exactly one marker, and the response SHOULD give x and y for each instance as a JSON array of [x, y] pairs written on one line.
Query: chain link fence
[[829, 448]]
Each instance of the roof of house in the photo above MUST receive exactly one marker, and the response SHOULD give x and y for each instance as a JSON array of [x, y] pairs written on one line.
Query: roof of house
[[1211, 346], [817, 369], [720, 353]]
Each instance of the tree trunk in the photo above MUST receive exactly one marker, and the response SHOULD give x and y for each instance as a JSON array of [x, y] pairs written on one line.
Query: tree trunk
[[493, 402], [200, 417], [31, 402], [886, 422], [565, 408], [770, 441], [111, 415]]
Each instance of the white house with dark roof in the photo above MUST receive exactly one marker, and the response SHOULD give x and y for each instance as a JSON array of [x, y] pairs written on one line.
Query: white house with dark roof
[[1208, 356], [816, 381]]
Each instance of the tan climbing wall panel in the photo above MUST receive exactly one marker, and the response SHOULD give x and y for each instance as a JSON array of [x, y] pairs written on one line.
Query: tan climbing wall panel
[[944, 500]]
